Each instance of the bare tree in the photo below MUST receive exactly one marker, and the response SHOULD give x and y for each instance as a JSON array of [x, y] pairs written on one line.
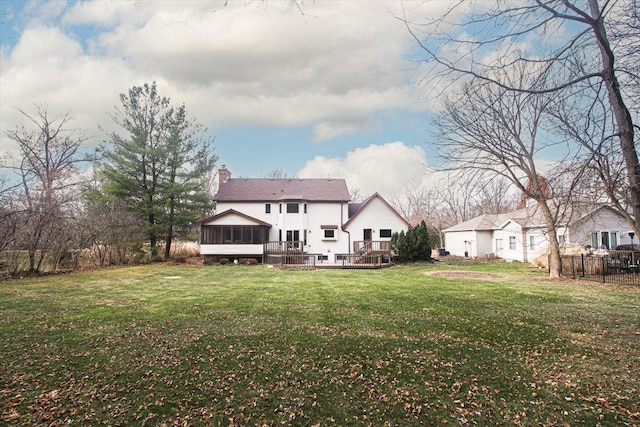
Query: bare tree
[[567, 36], [46, 174], [356, 196], [424, 204], [277, 173], [588, 122], [496, 195], [488, 129], [457, 195]]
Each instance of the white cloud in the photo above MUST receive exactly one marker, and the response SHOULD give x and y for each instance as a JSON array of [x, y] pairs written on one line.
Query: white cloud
[[332, 67], [48, 67], [102, 13], [388, 169], [327, 130]]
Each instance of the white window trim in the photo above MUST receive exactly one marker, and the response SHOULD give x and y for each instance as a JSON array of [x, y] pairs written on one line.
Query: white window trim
[[324, 234]]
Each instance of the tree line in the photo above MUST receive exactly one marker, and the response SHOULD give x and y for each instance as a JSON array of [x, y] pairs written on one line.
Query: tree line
[[145, 186]]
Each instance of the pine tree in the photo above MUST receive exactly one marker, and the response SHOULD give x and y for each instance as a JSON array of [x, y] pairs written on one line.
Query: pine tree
[[161, 169], [414, 245]]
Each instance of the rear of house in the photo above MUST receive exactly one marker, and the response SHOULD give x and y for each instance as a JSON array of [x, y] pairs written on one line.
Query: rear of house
[[257, 216]]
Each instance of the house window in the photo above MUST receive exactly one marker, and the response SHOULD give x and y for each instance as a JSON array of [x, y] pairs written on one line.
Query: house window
[[247, 234], [323, 257], [293, 235], [561, 239], [512, 242], [280, 207], [385, 232], [293, 207], [305, 208], [267, 208], [329, 231], [532, 242], [233, 234], [604, 239]]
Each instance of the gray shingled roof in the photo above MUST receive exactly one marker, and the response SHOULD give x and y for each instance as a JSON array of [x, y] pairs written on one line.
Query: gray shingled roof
[[267, 189], [528, 217]]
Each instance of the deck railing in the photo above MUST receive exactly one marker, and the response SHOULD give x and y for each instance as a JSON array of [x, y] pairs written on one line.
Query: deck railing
[[291, 260], [283, 247], [360, 260], [290, 254], [371, 246]]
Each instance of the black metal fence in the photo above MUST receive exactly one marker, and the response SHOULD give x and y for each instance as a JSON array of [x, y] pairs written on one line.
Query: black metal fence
[[617, 267]]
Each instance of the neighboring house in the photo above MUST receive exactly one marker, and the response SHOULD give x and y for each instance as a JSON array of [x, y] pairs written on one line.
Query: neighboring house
[[521, 235], [311, 216]]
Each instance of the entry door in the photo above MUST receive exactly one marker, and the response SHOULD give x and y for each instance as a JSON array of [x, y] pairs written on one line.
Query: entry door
[[367, 235], [293, 239]]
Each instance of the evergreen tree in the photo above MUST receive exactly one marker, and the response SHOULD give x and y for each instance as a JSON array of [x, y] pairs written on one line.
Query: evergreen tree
[[414, 245], [161, 169]]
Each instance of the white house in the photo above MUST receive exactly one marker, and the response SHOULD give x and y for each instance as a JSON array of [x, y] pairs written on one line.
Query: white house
[[312, 216], [521, 235]]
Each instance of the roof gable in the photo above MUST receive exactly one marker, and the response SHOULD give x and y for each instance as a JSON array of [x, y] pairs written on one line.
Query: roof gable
[[266, 189], [356, 208], [484, 222], [233, 212]]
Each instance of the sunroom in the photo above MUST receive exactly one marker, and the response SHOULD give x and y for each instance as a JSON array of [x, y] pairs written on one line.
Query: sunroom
[[232, 234]]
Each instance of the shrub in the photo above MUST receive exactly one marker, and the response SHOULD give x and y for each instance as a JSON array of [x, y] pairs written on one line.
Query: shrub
[[224, 261], [414, 245]]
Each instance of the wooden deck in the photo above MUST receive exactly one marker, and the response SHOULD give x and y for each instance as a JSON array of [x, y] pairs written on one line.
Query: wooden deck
[[369, 255], [340, 266]]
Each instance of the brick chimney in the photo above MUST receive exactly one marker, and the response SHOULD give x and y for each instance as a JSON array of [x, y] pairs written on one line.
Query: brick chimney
[[223, 175]]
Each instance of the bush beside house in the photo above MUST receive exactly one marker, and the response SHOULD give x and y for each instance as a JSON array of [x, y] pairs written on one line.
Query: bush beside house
[[414, 245]]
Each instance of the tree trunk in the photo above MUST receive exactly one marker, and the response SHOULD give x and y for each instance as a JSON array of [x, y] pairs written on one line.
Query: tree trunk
[[169, 240], [621, 113], [153, 238], [32, 260], [555, 261]]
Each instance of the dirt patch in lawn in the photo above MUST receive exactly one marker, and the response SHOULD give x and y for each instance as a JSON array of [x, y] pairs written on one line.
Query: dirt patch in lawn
[[463, 275]]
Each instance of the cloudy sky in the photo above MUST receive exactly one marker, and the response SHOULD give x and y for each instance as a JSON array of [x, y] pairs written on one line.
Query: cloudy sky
[[314, 88]]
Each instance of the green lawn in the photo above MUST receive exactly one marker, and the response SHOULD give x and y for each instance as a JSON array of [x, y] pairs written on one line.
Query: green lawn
[[476, 344]]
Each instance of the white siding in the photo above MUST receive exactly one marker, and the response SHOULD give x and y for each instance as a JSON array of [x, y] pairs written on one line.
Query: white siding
[[376, 216], [483, 244], [514, 242], [232, 220], [317, 215], [239, 250], [460, 242], [333, 214], [601, 220]]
